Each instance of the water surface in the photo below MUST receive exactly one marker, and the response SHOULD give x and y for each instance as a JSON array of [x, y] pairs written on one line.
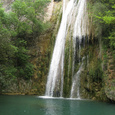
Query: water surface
[[33, 105]]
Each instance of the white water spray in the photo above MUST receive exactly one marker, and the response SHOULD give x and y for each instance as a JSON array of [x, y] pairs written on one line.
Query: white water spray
[[79, 32], [74, 16], [55, 77]]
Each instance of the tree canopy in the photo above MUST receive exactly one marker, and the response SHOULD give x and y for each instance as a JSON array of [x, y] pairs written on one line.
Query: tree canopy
[[18, 28], [103, 13]]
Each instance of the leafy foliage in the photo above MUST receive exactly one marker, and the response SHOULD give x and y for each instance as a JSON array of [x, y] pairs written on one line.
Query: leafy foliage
[[103, 13], [18, 28]]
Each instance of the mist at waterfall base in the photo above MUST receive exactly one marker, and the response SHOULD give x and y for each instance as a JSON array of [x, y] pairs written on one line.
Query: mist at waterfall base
[[31, 105]]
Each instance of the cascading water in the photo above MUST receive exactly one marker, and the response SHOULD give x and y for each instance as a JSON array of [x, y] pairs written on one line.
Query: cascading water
[[74, 17], [55, 77], [79, 33], [76, 82]]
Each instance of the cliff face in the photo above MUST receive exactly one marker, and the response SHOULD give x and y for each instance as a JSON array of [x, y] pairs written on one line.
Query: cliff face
[[92, 78], [110, 78], [97, 79]]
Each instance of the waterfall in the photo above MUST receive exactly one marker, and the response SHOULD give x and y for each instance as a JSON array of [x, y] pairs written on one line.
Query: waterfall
[[80, 26], [55, 78], [76, 83], [75, 17], [80, 32]]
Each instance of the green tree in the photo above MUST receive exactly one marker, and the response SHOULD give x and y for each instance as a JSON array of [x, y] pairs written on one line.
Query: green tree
[[103, 12], [17, 28]]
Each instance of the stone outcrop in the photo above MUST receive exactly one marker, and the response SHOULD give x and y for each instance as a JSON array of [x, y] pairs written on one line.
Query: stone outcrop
[[110, 80]]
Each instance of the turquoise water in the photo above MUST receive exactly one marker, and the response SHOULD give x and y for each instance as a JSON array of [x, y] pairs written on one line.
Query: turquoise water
[[33, 105]]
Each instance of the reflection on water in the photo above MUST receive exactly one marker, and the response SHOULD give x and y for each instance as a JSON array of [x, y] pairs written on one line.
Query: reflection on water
[[30, 105], [51, 107], [74, 107]]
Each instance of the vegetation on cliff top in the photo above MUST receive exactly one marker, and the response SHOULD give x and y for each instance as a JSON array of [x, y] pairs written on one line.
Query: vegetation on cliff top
[[103, 14]]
